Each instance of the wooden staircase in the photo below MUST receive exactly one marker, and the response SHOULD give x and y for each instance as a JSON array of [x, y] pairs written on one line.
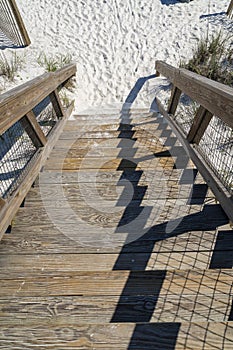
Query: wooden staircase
[[120, 245]]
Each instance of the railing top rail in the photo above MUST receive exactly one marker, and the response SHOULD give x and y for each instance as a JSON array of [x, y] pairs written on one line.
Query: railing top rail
[[15, 103], [214, 96]]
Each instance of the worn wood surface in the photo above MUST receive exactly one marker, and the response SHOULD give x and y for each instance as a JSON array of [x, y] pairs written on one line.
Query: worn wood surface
[[169, 288], [145, 336]]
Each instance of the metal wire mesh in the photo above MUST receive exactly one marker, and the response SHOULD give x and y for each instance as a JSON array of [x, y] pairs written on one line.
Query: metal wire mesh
[[46, 115], [216, 147], [16, 150], [8, 24], [185, 113]]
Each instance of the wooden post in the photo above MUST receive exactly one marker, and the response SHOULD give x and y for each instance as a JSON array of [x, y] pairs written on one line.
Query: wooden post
[[19, 22], [56, 102], [35, 127], [2, 203], [37, 139], [175, 97], [230, 9], [200, 123]]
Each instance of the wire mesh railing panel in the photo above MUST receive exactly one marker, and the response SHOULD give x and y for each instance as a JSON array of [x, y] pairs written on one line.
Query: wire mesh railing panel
[[8, 23], [16, 151], [46, 115], [185, 113], [216, 147]]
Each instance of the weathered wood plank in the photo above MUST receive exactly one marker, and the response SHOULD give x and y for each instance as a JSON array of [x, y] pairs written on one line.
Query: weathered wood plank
[[40, 310], [48, 239], [146, 336], [124, 336], [217, 98], [28, 265], [97, 283], [179, 176]]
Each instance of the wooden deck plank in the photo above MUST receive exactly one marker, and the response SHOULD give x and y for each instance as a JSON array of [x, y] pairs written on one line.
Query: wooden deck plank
[[126, 336], [50, 239], [53, 264], [101, 283], [92, 310]]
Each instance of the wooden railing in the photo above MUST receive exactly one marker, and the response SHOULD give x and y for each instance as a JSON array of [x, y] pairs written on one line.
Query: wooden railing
[[11, 23], [31, 119], [230, 9], [208, 134]]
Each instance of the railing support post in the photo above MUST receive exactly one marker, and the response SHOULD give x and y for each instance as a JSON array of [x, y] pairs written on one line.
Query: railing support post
[[33, 130], [57, 105], [2, 202], [175, 97], [200, 124]]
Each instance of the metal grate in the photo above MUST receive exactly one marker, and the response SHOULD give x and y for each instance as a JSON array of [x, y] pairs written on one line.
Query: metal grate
[[46, 115], [16, 150], [185, 113], [216, 147]]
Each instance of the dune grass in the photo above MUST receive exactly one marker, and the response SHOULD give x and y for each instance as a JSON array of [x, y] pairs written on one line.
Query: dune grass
[[53, 63], [9, 66], [213, 58]]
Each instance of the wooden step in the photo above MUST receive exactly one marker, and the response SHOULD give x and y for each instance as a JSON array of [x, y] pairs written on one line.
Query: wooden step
[[181, 283], [118, 336], [98, 309]]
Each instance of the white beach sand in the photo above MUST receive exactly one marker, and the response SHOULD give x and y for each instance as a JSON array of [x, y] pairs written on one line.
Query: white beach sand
[[116, 42]]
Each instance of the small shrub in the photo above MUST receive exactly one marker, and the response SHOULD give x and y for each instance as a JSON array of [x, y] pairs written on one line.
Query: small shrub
[[213, 58], [10, 66], [53, 63]]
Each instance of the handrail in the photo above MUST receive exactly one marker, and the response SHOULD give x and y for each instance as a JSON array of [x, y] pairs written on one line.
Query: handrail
[[216, 106], [32, 117], [230, 9], [12, 23], [17, 102]]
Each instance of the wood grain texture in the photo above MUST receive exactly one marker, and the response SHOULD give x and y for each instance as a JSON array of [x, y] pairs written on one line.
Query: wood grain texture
[[50, 264], [32, 311], [126, 336], [97, 283]]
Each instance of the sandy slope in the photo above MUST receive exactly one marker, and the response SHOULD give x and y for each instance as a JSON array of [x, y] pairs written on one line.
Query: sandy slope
[[116, 42]]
